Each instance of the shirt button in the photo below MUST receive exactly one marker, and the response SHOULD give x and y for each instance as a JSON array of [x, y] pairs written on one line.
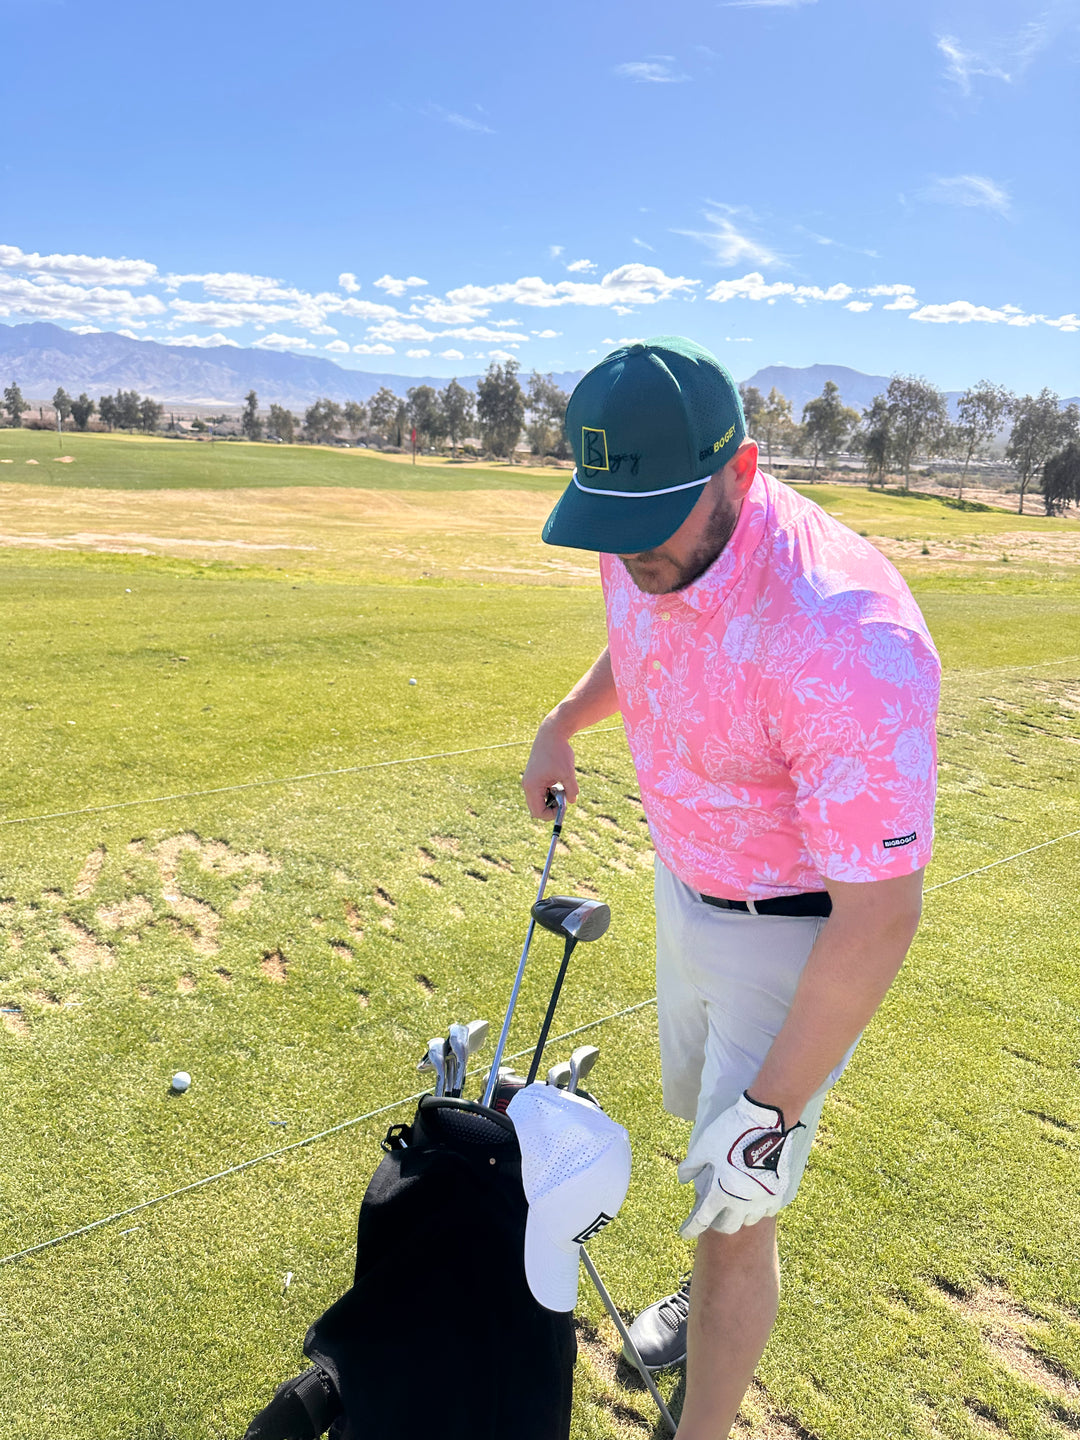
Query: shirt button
[[656, 664], [666, 615]]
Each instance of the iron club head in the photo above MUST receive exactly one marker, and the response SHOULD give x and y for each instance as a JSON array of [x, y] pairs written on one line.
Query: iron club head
[[572, 917], [436, 1060], [559, 1075], [581, 1062], [459, 1048]]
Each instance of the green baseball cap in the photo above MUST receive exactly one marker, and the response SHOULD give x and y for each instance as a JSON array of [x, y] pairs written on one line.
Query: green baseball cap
[[648, 426]]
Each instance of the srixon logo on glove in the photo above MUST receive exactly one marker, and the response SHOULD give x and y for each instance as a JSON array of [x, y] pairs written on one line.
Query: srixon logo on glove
[[740, 1165]]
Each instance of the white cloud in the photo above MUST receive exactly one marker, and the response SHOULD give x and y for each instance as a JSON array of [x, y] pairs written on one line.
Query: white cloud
[[418, 354], [890, 290], [970, 190], [46, 299], [399, 330], [554, 251], [397, 288], [859, 306], [626, 340], [482, 334], [374, 350], [338, 347], [129, 334], [348, 281], [755, 287], [962, 312], [237, 285], [961, 64], [86, 330], [364, 310], [581, 267], [547, 334], [283, 342], [903, 302], [439, 312], [624, 287], [1066, 323], [99, 270], [650, 72], [202, 342], [501, 355], [738, 340], [451, 355], [728, 245], [459, 121], [641, 244]]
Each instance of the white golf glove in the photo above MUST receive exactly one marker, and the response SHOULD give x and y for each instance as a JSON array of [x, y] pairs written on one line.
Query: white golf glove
[[740, 1165]]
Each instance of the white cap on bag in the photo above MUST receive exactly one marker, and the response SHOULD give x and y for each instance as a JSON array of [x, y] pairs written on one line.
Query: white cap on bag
[[575, 1169]]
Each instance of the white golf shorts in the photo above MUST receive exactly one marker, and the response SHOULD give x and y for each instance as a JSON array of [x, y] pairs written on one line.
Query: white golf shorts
[[724, 983]]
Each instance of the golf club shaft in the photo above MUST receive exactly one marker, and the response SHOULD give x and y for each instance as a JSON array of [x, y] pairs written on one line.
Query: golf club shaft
[[568, 950], [631, 1348], [493, 1073]]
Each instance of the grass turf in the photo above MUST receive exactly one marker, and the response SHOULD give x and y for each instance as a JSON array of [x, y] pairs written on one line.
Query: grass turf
[[294, 945]]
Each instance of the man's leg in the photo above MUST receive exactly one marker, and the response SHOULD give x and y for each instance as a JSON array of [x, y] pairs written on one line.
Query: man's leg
[[733, 1303]]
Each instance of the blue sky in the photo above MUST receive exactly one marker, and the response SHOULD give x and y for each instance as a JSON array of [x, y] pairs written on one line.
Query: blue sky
[[421, 189]]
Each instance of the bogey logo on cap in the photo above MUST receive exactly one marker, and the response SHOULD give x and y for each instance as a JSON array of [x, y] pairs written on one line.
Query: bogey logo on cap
[[594, 455]]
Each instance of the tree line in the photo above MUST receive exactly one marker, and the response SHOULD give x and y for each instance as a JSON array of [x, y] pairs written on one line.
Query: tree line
[[911, 420], [126, 410], [497, 414]]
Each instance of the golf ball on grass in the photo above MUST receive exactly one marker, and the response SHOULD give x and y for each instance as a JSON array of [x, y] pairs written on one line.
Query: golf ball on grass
[[412, 682], [181, 1081]]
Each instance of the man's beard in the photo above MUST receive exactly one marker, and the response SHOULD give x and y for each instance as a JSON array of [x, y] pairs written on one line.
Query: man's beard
[[657, 573]]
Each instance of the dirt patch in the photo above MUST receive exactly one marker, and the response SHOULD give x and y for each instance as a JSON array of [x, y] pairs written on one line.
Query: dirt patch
[[46, 998], [201, 922], [187, 984], [1003, 1324], [426, 986], [144, 992], [82, 951], [384, 898], [89, 873], [246, 896], [130, 914], [341, 950], [14, 1021], [225, 976], [273, 965], [449, 844]]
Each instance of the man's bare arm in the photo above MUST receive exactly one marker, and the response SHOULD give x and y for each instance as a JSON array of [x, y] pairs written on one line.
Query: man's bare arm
[[551, 761], [854, 961]]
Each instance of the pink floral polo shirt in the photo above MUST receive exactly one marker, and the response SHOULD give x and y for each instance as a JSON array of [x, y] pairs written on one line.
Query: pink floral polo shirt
[[780, 711]]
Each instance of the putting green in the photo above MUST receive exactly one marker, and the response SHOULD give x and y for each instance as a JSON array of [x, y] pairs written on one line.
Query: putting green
[[294, 944]]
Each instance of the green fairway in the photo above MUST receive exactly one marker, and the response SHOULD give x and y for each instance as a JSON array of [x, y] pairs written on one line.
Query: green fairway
[[293, 945], [144, 462]]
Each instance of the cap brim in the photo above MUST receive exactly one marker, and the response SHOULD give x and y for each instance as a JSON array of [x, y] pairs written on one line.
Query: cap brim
[[551, 1270], [618, 525]]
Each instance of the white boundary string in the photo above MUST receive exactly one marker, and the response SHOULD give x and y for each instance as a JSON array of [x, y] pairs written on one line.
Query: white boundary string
[[284, 1149], [406, 1099], [284, 780]]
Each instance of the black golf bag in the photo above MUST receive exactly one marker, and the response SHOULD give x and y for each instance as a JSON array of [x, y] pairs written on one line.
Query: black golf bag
[[440, 1332]]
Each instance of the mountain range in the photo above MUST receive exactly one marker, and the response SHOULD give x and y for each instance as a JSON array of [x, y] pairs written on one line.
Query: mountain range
[[41, 357]]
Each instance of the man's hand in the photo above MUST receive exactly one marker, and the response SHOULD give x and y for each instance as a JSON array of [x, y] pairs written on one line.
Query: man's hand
[[551, 762], [740, 1165], [592, 699]]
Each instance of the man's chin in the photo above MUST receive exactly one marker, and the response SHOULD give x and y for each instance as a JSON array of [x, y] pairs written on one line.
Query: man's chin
[[655, 577]]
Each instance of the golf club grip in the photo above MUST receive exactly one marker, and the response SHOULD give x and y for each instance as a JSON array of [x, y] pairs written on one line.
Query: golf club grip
[[571, 944]]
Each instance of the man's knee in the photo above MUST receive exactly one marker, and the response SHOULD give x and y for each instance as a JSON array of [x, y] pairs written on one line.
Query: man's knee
[[751, 1248]]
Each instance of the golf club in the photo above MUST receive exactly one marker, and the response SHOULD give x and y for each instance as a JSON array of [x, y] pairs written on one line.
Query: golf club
[[435, 1060], [559, 1075], [459, 1047], [556, 800], [575, 919], [631, 1348], [581, 1062]]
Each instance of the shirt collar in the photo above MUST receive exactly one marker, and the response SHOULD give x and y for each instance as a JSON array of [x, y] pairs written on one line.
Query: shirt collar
[[710, 590]]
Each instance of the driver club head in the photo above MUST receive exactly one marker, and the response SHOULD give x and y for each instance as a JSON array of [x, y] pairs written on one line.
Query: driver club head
[[572, 917]]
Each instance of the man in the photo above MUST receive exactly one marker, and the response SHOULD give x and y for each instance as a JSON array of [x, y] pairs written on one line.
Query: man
[[778, 689]]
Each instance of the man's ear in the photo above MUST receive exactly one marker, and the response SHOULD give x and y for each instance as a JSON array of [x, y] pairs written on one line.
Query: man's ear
[[742, 467]]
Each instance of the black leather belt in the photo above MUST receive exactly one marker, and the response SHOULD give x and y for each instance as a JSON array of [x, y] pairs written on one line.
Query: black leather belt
[[811, 902]]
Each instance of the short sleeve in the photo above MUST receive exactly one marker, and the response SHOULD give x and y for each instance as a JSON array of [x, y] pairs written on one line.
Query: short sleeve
[[857, 729]]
